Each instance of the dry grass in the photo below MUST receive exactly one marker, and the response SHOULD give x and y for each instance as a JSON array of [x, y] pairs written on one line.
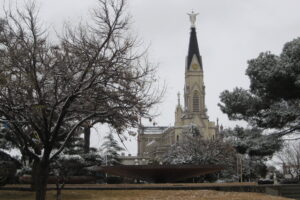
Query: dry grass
[[141, 185], [142, 195]]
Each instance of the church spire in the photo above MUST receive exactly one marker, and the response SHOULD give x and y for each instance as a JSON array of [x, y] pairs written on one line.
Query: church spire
[[193, 43], [178, 98]]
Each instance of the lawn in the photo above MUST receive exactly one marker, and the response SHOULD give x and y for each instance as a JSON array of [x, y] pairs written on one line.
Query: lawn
[[141, 195]]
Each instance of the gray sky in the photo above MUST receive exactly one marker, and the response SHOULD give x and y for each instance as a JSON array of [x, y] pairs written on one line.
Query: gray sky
[[230, 32]]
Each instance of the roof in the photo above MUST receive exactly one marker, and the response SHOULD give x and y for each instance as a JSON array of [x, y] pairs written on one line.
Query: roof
[[193, 49], [160, 173], [154, 129]]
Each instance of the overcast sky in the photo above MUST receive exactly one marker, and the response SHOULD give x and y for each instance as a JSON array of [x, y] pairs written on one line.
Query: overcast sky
[[230, 32]]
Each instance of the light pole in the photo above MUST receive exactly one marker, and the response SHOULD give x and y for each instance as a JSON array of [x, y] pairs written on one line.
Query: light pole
[[106, 165]]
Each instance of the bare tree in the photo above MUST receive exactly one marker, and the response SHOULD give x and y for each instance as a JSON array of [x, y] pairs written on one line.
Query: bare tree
[[47, 91], [290, 159]]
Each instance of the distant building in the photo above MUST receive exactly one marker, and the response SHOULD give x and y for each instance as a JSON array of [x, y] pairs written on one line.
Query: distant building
[[155, 141]]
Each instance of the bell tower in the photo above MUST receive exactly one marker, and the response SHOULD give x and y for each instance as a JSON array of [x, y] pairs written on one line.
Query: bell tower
[[194, 89]]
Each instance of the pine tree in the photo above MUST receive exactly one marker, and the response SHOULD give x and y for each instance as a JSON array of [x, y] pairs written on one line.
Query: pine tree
[[73, 161], [253, 148], [252, 141], [111, 150], [272, 101]]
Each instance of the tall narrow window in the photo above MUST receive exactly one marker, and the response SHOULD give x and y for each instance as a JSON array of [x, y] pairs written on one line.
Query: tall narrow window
[[196, 102]]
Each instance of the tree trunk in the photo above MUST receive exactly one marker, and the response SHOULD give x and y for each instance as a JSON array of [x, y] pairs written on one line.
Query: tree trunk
[[41, 178], [34, 174], [87, 134], [58, 194], [60, 183], [59, 187]]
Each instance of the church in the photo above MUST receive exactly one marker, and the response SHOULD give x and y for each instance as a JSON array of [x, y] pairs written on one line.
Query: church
[[154, 141]]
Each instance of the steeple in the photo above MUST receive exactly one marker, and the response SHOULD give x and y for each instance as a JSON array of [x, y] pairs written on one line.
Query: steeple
[[193, 43], [194, 89]]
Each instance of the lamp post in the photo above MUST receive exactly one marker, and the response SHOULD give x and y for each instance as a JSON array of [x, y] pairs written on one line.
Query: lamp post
[[106, 165]]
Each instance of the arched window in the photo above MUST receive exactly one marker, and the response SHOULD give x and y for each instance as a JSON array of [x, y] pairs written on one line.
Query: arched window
[[196, 102], [177, 138]]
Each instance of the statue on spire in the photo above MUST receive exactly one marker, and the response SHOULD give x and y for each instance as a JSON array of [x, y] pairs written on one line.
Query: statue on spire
[[178, 96], [193, 18]]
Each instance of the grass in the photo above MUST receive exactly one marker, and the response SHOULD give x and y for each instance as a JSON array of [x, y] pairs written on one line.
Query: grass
[[141, 195]]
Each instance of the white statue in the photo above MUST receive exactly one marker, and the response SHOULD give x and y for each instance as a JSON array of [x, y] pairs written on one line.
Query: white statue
[[193, 18]]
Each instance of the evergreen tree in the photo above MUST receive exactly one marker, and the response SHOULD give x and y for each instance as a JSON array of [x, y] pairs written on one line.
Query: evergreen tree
[[252, 141], [253, 148], [272, 102], [111, 150], [73, 161], [274, 95], [195, 150]]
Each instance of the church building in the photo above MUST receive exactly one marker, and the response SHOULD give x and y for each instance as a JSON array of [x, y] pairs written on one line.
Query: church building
[[154, 141]]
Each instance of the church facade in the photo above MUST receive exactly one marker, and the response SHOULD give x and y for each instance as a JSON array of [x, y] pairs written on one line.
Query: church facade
[[154, 141]]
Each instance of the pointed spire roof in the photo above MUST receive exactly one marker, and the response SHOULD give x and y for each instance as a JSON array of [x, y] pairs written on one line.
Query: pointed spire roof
[[193, 48]]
